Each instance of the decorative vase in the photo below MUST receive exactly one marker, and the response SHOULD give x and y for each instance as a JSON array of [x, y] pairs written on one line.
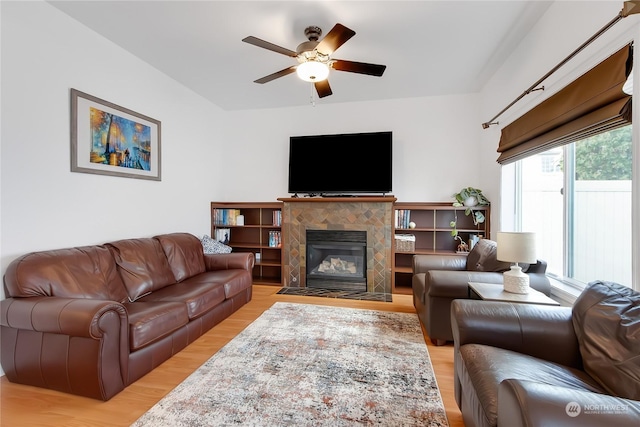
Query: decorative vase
[[470, 201]]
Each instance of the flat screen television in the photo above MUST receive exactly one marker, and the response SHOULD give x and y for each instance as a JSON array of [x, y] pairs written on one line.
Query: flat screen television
[[341, 164]]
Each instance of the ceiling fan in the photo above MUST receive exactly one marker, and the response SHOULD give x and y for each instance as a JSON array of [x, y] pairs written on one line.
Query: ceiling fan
[[314, 58]]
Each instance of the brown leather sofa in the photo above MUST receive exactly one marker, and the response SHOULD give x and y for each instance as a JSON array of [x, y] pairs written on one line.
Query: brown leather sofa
[[533, 365], [439, 279], [92, 320]]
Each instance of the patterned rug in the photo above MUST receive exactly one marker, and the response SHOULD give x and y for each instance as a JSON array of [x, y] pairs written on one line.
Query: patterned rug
[[309, 365]]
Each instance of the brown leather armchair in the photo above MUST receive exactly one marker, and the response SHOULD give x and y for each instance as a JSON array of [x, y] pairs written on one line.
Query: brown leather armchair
[[533, 365], [439, 279]]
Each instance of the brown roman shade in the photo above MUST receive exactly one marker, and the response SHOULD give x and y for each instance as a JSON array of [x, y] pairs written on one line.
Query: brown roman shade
[[591, 104]]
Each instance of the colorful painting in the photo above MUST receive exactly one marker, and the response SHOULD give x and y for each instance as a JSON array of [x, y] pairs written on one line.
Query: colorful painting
[[117, 141], [111, 140]]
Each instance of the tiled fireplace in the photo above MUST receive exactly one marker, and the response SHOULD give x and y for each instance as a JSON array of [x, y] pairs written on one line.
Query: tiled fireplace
[[370, 215]]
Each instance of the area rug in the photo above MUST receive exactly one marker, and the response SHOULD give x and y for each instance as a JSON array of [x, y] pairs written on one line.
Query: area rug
[[333, 293], [309, 365]]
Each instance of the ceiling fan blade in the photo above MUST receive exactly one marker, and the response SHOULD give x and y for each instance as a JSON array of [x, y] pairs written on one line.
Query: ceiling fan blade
[[359, 67], [323, 88], [338, 35], [270, 46], [276, 75]]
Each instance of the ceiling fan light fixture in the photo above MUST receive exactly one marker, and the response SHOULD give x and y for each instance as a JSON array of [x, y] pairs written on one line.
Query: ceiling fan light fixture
[[313, 71]]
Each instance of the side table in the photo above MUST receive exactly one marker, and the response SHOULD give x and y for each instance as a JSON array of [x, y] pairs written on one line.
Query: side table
[[495, 292]]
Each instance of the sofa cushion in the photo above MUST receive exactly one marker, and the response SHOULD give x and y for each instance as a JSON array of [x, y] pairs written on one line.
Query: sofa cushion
[[485, 367], [81, 272], [234, 280], [606, 319], [199, 294], [483, 257], [142, 265], [184, 253], [148, 322]]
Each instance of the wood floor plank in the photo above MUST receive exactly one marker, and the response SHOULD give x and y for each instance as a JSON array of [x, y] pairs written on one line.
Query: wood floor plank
[[31, 406]]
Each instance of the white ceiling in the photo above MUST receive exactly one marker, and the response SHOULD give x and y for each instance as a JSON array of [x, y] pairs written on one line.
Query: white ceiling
[[430, 48]]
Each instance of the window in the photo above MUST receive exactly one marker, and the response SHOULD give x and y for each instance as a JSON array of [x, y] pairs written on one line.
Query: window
[[577, 198]]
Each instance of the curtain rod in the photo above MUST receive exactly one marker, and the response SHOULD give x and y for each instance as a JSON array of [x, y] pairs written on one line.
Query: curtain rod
[[628, 8]]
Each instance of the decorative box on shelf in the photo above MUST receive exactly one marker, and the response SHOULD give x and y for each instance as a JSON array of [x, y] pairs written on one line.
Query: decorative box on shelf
[[405, 242]]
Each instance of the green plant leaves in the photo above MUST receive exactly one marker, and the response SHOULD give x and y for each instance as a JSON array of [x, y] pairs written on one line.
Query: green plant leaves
[[460, 197]]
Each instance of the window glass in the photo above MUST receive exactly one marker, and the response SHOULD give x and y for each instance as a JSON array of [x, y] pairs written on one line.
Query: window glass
[[577, 199]]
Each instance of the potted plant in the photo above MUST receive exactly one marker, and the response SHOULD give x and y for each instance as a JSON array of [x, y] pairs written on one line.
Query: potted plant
[[468, 198]]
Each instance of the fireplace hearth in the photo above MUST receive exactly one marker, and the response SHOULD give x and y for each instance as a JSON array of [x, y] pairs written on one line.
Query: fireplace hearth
[[374, 215], [336, 259]]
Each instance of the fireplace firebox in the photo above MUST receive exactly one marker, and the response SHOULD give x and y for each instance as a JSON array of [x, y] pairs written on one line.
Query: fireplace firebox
[[336, 259]]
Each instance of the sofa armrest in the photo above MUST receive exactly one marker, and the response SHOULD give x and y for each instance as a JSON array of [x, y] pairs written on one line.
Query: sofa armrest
[[527, 403], [75, 317], [424, 263], [540, 331], [233, 260], [540, 282], [455, 284], [78, 346]]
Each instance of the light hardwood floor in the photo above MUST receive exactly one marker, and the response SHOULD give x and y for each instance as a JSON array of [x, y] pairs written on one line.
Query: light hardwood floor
[[30, 406]]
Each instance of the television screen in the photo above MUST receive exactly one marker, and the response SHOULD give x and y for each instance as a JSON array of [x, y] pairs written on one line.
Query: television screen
[[340, 164]]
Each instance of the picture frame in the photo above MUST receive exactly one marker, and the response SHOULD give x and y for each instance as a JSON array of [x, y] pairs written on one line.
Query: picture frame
[[107, 139]]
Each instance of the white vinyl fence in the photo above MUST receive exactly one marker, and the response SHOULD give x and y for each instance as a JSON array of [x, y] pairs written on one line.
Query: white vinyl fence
[[602, 228]]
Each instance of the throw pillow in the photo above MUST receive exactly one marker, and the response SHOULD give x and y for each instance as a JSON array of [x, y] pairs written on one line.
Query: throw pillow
[[606, 319], [212, 246], [483, 257]]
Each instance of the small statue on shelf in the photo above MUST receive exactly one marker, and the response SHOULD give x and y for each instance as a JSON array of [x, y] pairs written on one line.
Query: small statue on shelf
[[462, 246]]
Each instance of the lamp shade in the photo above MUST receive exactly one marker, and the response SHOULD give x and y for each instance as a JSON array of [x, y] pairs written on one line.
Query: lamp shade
[[312, 71], [516, 247]]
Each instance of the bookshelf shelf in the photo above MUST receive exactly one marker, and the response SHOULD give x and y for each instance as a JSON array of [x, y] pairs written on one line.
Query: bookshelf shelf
[[261, 220], [432, 234]]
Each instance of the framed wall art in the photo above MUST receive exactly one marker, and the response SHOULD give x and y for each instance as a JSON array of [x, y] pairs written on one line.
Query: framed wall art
[[107, 139]]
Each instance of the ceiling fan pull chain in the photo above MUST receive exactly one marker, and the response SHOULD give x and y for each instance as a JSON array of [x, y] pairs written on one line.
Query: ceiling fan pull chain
[[312, 97]]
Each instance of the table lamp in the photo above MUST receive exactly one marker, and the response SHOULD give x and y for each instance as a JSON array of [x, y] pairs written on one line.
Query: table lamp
[[516, 247]]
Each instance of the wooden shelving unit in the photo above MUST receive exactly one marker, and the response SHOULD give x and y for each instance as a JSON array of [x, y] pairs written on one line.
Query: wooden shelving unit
[[254, 236], [432, 235]]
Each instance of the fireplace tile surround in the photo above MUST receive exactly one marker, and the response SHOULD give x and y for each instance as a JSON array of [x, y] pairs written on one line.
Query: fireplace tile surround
[[371, 214]]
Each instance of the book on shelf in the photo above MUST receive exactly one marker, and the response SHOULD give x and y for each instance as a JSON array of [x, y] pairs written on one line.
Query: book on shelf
[[223, 216], [473, 239], [277, 218], [402, 218], [223, 235], [275, 240]]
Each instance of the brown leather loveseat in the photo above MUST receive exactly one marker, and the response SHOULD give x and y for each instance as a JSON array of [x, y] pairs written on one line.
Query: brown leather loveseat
[[439, 279], [532, 365], [92, 320]]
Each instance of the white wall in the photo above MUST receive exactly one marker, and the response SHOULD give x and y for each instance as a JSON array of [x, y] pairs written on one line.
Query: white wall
[[44, 205], [207, 154], [435, 147]]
